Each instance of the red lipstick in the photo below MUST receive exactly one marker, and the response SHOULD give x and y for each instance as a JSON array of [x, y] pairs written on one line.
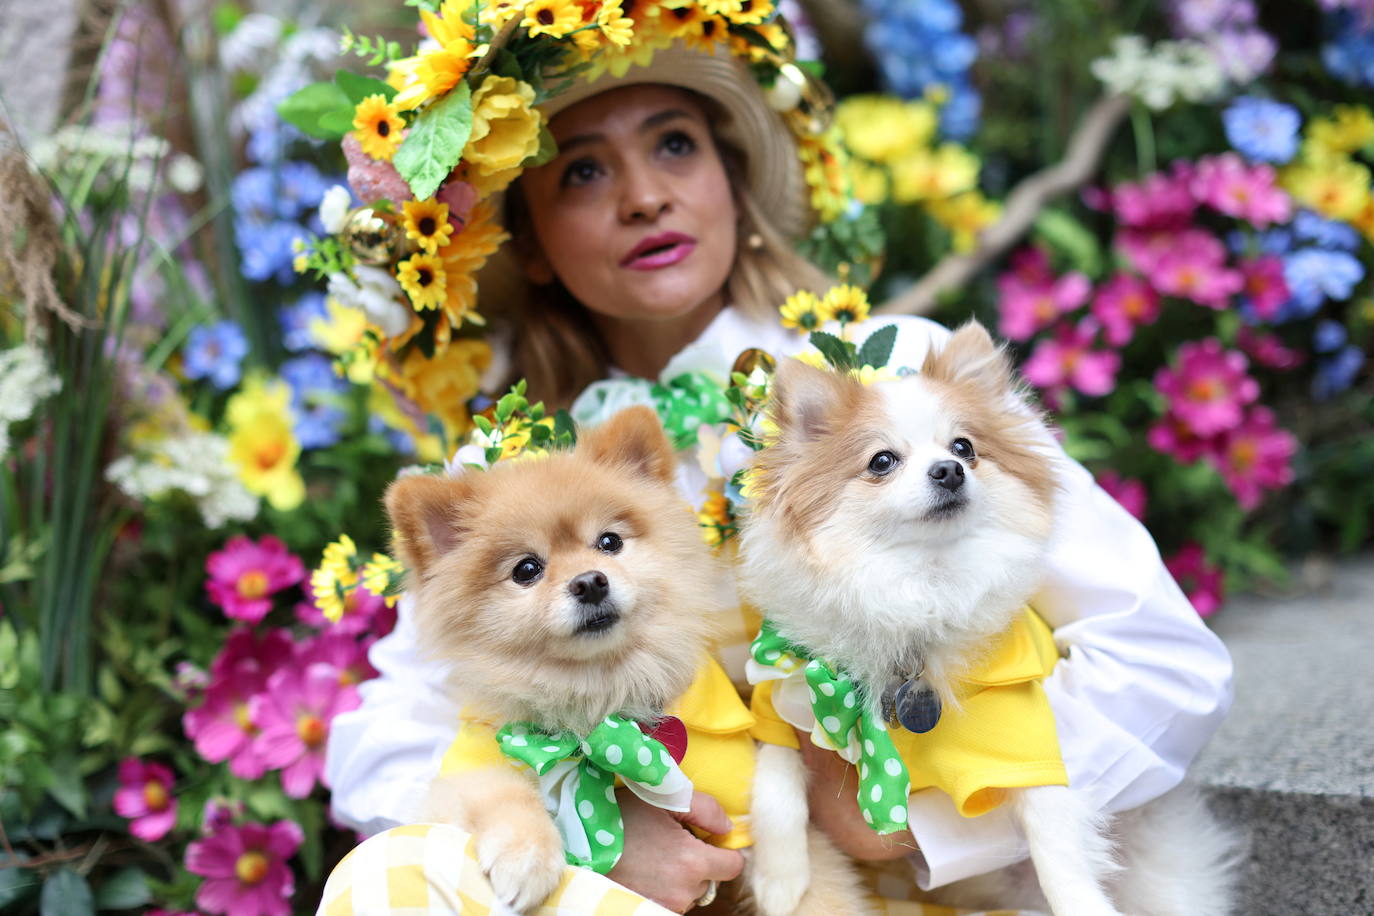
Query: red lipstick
[[656, 251]]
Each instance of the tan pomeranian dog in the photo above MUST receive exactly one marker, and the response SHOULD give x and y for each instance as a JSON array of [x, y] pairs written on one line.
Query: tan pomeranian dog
[[900, 530], [562, 589]]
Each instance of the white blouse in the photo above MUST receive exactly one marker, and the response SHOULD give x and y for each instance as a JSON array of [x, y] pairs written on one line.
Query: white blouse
[[1141, 687]]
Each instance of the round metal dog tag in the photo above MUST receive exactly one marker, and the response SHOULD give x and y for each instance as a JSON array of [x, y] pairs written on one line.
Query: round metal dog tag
[[918, 706]]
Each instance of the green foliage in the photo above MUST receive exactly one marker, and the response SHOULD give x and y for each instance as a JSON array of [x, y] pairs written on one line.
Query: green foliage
[[375, 51], [435, 142], [320, 110]]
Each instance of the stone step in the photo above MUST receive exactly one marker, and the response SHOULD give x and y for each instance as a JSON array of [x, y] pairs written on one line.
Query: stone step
[[1294, 761]]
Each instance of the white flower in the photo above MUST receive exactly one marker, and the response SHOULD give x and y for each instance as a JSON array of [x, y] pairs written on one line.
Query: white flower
[[334, 207], [184, 174], [375, 292], [25, 379], [466, 455], [197, 465], [1161, 75]]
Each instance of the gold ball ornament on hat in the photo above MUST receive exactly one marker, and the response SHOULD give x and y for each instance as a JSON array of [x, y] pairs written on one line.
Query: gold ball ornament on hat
[[374, 236]]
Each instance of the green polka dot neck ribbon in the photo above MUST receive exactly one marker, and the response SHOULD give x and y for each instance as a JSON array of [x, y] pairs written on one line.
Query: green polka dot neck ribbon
[[843, 726], [577, 782], [684, 403]]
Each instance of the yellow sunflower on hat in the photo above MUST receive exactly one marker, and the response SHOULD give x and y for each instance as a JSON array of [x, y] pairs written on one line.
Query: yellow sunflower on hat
[[378, 125], [423, 278], [426, 223], [554, 18]]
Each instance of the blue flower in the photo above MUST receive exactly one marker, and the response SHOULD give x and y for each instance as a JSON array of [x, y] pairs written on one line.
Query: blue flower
[[1268, 241], [1262, 129], [254, 195], [265, 249], [1328, 336], [300, 187], [1337, 373], [402, 441], [1315, 275], [918, 46], [1350, 56], [215, 352], [1326, 233], [295, 321], [317, 399]]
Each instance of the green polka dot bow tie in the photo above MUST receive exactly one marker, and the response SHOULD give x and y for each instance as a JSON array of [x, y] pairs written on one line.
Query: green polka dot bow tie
[[684, 403], [843, 726], [577, 781]]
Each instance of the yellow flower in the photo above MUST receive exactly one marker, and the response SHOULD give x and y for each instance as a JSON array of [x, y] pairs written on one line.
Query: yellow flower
[[555, 18], [378, 125], [299, 263], [505, 129], [464, 257], [426, 221], [870, 182], [932, 174], [803, 311], [751, 484], [846, 304], [1364, 220], [617, 28], [771, 32], [378, 575], [883, 128], [431, 74], [649, 38], [347, 334], [1349, 128], [824, 165], [965, 215], [334, 579], [1338, 189], [448, 27], [813, 358], [422, 277], [717, 524], [499, 13], [749, 12], [262, 445], [443, 385], [868, 375]]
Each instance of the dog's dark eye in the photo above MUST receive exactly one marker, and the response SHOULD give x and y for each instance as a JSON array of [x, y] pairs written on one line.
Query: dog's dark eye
[[962, 448], [527, 570], [882, 463], [609, 542]]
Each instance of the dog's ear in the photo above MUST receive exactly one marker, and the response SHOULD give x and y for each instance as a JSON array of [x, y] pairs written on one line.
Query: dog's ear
[[426, 512], [971, 357], [802, 398], [633, 438]]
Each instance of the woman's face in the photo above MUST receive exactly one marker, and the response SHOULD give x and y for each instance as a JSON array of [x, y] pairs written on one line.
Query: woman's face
[[635, 215]]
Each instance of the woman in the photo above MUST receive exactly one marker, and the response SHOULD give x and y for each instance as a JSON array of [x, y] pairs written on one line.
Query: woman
[[647, 252]]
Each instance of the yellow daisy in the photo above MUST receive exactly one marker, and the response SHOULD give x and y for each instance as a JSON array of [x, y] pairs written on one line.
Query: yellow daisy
[[333, 580], [749, 12], [448, 27], [432, 74], [499, 13], [555, 18], [928, 174], [1336, 188], [464, 256], [772, 33], [803, 311], [846, 304], [379, 573], [422, 277], [377, 124], [617, 28], [1349, 128], [426, 222], [719, 7]]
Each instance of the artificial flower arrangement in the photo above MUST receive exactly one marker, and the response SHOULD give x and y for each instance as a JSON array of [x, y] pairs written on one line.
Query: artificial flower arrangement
[[450, 127]]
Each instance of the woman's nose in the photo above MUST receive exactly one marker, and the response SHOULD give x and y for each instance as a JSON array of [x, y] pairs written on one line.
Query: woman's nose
[[644, 194]]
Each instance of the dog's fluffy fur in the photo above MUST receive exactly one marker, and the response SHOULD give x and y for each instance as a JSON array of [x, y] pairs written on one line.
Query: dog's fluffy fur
[[881, 572], [535, 651]]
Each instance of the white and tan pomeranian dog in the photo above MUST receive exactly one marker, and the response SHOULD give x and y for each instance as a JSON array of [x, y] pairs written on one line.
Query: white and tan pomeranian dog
[[900, 528], [562, 589]]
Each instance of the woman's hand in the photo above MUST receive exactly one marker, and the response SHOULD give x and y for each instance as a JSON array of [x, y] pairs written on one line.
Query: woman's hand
[[663, 860], [831, 786]]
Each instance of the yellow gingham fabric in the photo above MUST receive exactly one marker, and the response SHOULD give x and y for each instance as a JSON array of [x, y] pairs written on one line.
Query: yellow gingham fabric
[[423, 869]]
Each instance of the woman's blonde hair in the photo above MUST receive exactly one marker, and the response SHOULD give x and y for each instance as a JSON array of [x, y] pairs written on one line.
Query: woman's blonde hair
[[557, 348]]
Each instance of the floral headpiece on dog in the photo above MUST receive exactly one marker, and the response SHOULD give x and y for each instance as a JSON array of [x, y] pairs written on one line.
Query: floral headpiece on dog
[[455, 122]]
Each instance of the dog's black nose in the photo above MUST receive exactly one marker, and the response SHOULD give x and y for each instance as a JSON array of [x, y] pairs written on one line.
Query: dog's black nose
[[590, 587], [948, 474]]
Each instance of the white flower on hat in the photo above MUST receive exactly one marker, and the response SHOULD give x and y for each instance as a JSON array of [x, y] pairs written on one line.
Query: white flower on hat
[[334, 208], [375, 292]]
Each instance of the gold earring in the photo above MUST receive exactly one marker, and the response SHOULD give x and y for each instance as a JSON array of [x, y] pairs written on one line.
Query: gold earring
[[755, 241]]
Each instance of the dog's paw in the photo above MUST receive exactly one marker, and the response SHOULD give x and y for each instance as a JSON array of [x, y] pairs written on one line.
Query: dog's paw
[[778, 889], [524, 867]]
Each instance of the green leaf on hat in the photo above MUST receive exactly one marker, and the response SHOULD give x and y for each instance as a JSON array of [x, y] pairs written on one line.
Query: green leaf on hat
[[877, 349], [319, 110], [837, 353], [435, 142], [358, 87], [548, 148]]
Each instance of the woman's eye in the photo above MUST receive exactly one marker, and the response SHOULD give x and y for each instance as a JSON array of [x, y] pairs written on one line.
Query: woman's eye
[[609, 542], [677, 143], [882, 463], [962, 448], [580, 172], [527, 570]]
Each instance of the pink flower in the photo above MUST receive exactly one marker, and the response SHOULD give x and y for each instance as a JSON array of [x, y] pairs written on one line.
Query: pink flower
[[461, 197], [1227, 184], [1170, 435], [1210, 388], [1265, 286], [1193, 273], [1256, 456], [268, 650], [220, 813], [145, 797], [1200, 581], [245, 575], [1068, 359], [1126, 490], [1267, 349], [373, 179], [363, 612], [1031, 300], [1160, 201], [294, 715], [221, 726], [1122, 304], [1145, 249], [245, 869], [344, 653]]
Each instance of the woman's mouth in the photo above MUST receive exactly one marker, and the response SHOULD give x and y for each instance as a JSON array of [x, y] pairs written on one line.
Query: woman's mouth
[[656, 251]]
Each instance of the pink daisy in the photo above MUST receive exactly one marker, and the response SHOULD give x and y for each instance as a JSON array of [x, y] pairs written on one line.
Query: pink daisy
[[245, 869], [363, 612], [1126, 490], [245, 575], [221, 727], [1200, 581], [346, 654], [145, 797], [1030, 301], [1122, 304], [269, 650], [1256, 456], [1227, 184], [1145, 249], [1159, 201], [1193, 273], [1267, 349], [1265, 286], [1210, 388], [1068, 359], [294, 715], [1171, 436]]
